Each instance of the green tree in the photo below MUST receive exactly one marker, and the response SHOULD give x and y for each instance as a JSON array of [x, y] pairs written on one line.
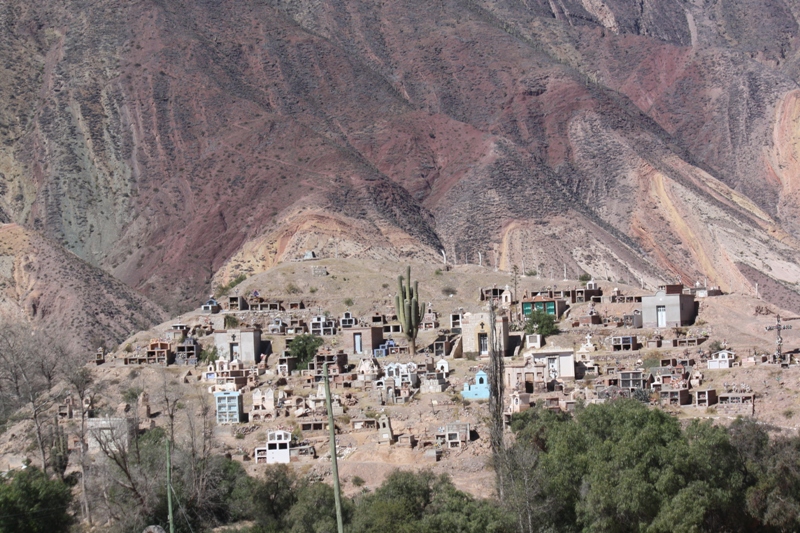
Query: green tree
[[773, 470], [304, 348], [273, 497], [539, 322], [315, 510], [663, 478], [30, 502], [410, 502]]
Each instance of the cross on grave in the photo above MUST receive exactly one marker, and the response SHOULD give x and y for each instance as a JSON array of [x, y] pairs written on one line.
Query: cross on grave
[[777, 328]]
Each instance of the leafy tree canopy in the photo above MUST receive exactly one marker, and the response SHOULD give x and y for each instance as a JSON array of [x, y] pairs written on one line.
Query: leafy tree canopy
[[30, 502], [304, 348], [623, 467], [541, 323]]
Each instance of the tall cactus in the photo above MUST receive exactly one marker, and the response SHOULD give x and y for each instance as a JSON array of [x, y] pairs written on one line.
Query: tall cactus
[[59, 451], [408, 309]]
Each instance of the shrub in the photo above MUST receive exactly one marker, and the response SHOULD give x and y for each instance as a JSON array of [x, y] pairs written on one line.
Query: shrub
[[358, 481], [291, 288], [230, 321], [449, 291], [438, 272], [225, 289], [641, 395], [132, 394], [530, 273], [312, 290], [209, 355], [348, 302], [471, 356], [585, 277]]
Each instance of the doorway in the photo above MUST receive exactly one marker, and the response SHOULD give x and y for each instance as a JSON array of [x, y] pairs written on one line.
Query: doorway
[[661, 316], [357, 343]]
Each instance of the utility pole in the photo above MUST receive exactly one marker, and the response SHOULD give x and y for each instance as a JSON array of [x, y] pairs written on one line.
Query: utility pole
[[480, 259], [334, 464], [169, 489], [496, 395]]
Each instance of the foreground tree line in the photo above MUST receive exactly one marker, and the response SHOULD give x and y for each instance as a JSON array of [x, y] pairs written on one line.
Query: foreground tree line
[[618, 467], [622, 467]]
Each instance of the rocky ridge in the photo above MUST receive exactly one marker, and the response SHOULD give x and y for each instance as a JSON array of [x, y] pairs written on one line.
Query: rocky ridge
[[178, 144]]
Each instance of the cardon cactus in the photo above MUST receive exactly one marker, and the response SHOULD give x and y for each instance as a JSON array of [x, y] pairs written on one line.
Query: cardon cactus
[[409, 311], [59, 452]]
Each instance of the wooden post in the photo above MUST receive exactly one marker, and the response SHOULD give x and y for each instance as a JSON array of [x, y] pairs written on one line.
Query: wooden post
[[334, 463]]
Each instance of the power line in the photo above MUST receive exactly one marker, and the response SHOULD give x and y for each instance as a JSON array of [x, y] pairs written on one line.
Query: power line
[[180, 506], [32, 512]]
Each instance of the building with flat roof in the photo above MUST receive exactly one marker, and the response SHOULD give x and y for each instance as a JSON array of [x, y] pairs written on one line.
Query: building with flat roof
[[230, 407], [668, 308]]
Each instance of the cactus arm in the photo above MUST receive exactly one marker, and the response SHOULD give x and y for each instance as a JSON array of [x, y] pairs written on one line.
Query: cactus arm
[[408, 283], [400, 309]]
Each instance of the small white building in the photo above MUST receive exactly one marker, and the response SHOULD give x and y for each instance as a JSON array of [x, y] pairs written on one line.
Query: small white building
[[558, 364], [721, 359], [277, 449], [534, 341], [385, 433], [475, 334], [518, 401], [241, 344]]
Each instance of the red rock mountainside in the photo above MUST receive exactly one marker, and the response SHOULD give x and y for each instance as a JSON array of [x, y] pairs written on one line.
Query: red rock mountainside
[[79, 303], [174, 143]]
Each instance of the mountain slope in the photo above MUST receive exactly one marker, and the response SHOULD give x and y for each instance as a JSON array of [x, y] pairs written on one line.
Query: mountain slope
[[55, 290], [175, 144]]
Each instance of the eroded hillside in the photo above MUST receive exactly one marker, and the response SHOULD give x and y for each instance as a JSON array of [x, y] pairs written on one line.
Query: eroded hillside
[[70, 299], [177, 144]]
